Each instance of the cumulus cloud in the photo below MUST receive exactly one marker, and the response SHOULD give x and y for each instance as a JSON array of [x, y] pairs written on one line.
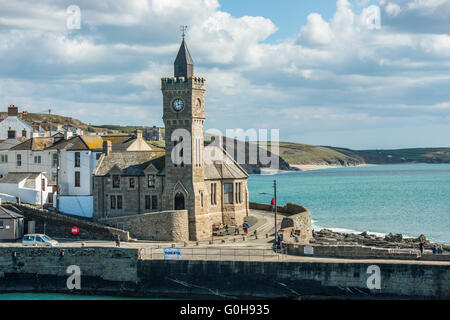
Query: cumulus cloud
[[367, 67]]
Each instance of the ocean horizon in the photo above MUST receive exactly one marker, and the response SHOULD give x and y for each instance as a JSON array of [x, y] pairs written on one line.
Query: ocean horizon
[[411, 199]]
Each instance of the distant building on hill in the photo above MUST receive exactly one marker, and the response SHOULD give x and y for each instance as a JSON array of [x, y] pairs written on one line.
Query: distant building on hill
[[153, 134]]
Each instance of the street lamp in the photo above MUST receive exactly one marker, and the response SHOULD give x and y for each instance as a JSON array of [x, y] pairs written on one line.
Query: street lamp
[[274, 206]]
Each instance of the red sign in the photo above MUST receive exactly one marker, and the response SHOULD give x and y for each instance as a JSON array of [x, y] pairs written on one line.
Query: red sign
[[75, 230]]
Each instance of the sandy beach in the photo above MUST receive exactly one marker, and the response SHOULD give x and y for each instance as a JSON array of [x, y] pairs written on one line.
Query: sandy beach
[[307, 167]]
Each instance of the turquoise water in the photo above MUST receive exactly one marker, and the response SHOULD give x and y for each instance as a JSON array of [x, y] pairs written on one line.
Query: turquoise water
[[409, 199], [57, 296]]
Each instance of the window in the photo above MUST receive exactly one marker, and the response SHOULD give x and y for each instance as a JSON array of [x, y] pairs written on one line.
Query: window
[[132, 184], [238, 192], [147, 202], [77, 159], [119, 202], [54, 160], [228, 193], [19, 160], [24, 133], [77, 179], [113, 202], [1, 224], [37, 159], [11, 134], [201, 198], [213, 194], [116, 181], [151, 181], [4, 158], [154, 202]]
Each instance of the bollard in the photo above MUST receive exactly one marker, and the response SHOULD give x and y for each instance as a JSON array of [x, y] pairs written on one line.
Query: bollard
[[223, 240], [211, 242], [173, 245], [185, 244], [196, 243], [243, 238], [234, 239]]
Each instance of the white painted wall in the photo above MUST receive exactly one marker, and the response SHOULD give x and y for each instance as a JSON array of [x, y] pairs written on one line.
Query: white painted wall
[[28, 164], [16, 124], [27, 195], [88, 162], [77, 205]]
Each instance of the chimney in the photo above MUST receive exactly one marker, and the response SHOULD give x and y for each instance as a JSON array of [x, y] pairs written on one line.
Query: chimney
[[107, 147], [68, 135], [13, 111], [139, 133], [25, 115]]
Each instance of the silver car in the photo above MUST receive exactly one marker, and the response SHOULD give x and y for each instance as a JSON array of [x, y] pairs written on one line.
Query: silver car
[[37, 239]]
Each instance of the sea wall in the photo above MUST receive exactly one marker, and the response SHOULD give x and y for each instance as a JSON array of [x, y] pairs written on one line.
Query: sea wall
[[24, 269], [123, 271], [228, 279]]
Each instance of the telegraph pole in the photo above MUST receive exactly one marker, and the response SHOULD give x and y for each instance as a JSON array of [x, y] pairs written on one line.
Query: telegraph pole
[[57, 180], [275, 197]]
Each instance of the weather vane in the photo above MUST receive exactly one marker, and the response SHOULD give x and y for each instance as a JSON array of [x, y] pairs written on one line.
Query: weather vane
[[183, 29]]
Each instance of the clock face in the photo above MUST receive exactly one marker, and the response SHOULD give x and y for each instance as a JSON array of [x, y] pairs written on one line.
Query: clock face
[[198, 104], [178, 104]]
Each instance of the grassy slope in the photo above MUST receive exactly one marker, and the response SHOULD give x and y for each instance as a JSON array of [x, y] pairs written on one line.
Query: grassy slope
[[297, 153]]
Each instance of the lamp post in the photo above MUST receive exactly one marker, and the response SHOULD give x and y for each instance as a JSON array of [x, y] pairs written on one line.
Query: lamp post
[[274, 205]]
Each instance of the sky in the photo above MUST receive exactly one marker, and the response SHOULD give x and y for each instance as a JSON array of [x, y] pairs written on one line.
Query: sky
[[358, 74]]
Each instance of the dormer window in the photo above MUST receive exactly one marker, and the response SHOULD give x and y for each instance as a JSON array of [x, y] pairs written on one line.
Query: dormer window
[[151, 181], [116, 181]]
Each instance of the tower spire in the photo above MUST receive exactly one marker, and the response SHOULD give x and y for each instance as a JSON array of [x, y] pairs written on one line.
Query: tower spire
[[183, 65]]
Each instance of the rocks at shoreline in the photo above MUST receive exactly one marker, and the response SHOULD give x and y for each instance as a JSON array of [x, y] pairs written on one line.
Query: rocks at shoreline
[[327, 236]]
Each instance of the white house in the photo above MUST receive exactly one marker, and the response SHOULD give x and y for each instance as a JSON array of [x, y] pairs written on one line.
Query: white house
[[30, 187], [4, 148], [13, 126]]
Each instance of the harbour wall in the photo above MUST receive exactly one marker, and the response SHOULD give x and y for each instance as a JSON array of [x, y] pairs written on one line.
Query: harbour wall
[[124, 271]]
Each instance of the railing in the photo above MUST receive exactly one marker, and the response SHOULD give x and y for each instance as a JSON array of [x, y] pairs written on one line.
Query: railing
[[216, 254]]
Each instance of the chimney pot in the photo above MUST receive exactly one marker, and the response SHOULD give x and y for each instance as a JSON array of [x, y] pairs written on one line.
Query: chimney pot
[[107, 147]]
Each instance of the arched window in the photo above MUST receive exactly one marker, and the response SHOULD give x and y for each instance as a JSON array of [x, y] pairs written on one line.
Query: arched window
[[179, 201]]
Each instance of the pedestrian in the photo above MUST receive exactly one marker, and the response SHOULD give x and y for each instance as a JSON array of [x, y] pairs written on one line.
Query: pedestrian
[[226, 228], [244, 226], [421, 245], [255, 233], [236, 229], [117, 240], [440, 249], [272, 203]]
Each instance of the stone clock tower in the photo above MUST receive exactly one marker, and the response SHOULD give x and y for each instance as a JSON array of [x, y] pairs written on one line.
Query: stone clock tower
[[184, 108]]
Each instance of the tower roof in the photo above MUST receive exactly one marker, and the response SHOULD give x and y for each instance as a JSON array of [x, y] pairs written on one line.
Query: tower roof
[[183, 65]]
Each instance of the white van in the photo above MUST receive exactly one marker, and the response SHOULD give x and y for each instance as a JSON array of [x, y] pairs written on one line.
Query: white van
[[36, 239]]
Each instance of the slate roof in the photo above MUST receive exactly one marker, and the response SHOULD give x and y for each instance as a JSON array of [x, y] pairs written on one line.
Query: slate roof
[[222, 165], [131, 163], [9, 143], [17, 177], [183, 56], [8, 214], [34, 144]]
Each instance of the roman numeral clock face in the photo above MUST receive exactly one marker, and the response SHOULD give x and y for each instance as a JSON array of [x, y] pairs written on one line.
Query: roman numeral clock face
[[178, 104]]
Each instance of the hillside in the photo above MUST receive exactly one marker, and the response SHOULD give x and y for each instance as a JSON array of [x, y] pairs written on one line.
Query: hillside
[[415, 155]]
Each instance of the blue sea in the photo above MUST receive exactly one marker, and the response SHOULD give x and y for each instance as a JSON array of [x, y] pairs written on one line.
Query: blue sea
[[410, 199]]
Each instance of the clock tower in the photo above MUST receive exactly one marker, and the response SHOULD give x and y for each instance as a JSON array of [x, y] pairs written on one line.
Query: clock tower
[[184, 117]]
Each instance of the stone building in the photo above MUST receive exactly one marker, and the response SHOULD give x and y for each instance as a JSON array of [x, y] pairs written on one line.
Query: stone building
[[203, 181], [13, 126], [152, 134]]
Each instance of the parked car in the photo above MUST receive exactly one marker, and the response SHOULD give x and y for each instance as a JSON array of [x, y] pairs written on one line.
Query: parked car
[[38, 240]]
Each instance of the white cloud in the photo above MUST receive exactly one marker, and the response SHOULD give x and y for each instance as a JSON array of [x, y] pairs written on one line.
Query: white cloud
[[392, 9]]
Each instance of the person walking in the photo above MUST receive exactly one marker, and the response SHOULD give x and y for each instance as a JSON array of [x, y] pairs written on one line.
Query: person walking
[[236, 229], [226, 229], [117, 240], [272, 203], [245, 227], [421, 245]]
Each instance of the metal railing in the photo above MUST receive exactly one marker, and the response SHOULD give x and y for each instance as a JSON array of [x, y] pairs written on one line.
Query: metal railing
[[216, 254]]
